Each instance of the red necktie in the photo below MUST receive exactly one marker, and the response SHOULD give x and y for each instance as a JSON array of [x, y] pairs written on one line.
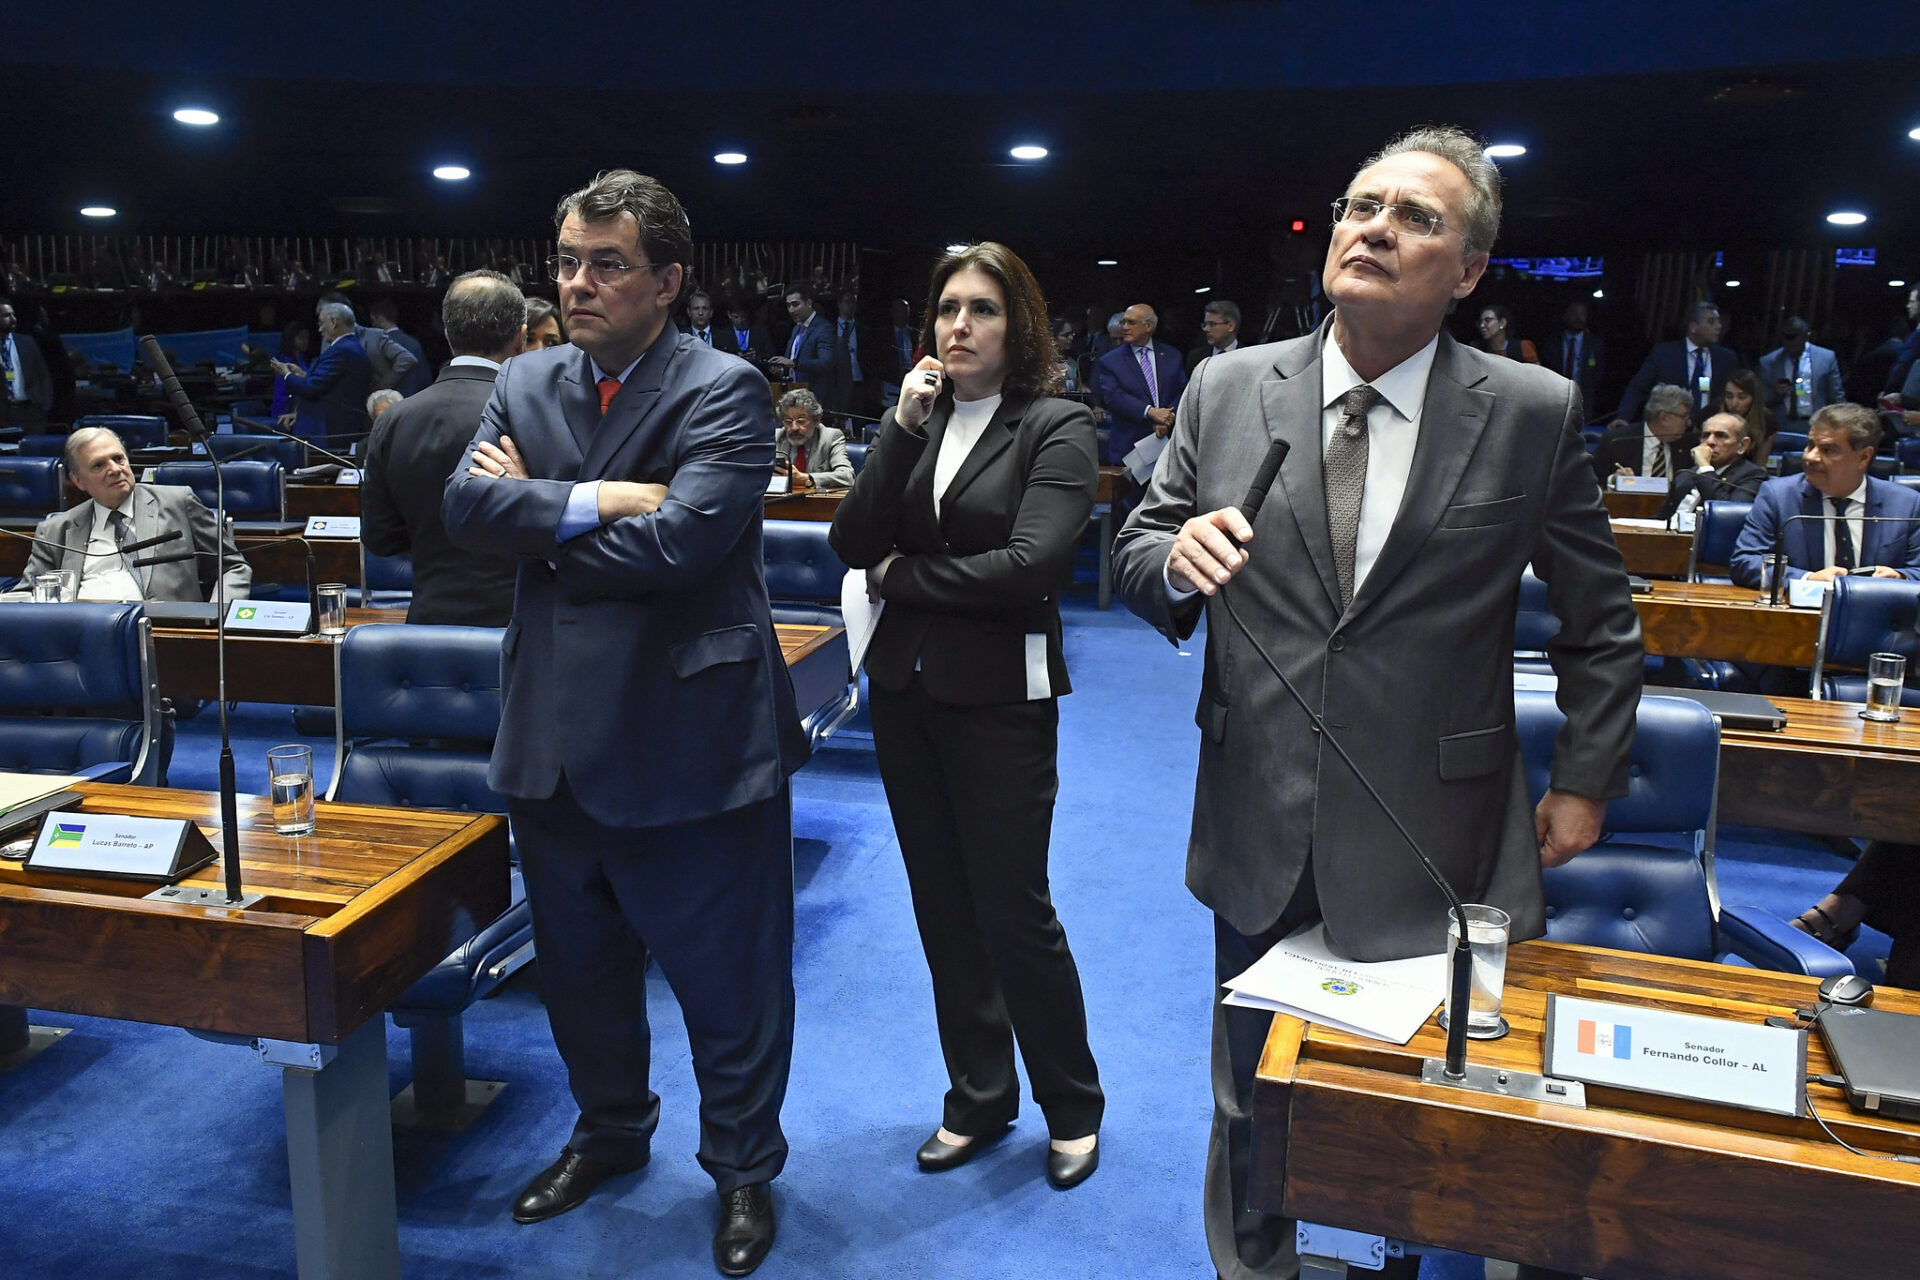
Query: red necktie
[[609, 388], [800, 458]]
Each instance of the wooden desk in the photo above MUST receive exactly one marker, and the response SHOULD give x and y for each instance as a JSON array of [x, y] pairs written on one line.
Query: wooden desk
[[1632, 506], [307, 500], [1827, 773], [1346, 1135], [1103, 495], [808, 505], [354, 915], [1717, 620], [1654, 553], [282, 559]]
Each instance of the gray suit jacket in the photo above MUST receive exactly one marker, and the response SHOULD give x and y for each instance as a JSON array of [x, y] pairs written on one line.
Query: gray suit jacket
[[157, 509], [828, 465], [1827, 387], [1416, 676]]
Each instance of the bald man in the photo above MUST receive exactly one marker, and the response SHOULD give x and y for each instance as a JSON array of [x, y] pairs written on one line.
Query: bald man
[[1139, 382]]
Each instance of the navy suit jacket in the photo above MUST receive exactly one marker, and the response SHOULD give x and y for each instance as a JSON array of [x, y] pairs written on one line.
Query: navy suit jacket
[[1668, 362], [1897, 546], [814, 363], [1593, 354], [1122, 388], [632, 642], [331, 396]]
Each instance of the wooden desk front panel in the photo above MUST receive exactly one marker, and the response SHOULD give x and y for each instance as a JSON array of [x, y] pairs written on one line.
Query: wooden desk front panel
[[1717, 620], [1827, 773], [307, 500], [805, 506], [296, 670], [276, 559], [1654, 553], [1632, 506]]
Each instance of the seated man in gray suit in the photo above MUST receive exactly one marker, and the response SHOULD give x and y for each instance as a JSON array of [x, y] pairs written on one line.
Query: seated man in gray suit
[[1381, 574], [119, 511], [809, 453]]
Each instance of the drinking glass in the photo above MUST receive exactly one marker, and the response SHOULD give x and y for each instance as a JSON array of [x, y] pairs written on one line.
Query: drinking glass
[[333, 608], [1886, 677], [1487, 931], [290, 775]]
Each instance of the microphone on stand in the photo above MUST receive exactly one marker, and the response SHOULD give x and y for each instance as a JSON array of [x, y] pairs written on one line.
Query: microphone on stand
[[1462, 959], [254, 424], [1777, 560]]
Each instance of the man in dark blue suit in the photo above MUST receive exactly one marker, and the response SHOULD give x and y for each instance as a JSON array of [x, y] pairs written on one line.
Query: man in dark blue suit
[[1697, 362], [1842, 505], [626, 471], [1139, 382], [810, 351], [330, 398]]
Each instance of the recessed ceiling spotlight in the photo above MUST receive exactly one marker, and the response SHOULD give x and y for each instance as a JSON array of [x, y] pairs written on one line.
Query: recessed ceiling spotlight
[[729, 157], [1733, 284], [957, 247], [1846, 218], [197, 116], [1028, 151], [1914, 134], [1504, 151], [98, 211], [1205, 288], [452, 173], [1599, 293], [1107, 262], [1896, 284]]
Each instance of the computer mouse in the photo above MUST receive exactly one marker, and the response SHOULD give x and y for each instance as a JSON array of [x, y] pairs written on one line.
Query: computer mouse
[[1846, 988]]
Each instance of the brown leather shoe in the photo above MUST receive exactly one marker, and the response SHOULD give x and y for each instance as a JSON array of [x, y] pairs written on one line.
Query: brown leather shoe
[[566, 1182]]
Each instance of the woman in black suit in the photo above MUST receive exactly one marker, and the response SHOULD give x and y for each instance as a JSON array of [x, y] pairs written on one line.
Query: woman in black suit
[[966, 518]]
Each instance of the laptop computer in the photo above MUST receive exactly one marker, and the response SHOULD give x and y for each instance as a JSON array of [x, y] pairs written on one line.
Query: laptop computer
[[1878, 1054], [1734, 710]]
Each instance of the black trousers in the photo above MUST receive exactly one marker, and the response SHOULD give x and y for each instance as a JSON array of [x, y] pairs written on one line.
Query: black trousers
[[972, 791], [713, 900], [1887, 879]]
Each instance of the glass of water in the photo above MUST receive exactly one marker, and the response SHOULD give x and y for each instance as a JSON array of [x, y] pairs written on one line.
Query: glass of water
[[1886, 677], [333, 608], [49, 588], [1487, 931], [290, 774]]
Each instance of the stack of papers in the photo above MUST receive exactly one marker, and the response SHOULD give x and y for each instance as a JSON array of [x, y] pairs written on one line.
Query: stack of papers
[[19, 788], [1387, 1000]]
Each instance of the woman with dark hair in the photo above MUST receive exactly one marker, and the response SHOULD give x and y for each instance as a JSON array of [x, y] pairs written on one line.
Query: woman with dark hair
[[1496, 324], [543, 325], [965, 519], [1742, 398]]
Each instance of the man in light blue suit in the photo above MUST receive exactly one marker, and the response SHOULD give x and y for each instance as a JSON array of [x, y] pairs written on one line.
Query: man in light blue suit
[[1135, 405], [1852, 522], [626, 471], [1799, 378]]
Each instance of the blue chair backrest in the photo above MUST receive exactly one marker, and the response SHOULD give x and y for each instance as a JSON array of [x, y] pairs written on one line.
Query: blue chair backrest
[[32, 486], [419, 709], [44, 445], [388, 573], [291, 454], [857, 455], [1860, 617], [801, 564], [1672, 774], [1533, 623], [256, 489], [73, 692], [136, 430], [1912, 482], [1716, 528], [1789, 442], [1908, 451]]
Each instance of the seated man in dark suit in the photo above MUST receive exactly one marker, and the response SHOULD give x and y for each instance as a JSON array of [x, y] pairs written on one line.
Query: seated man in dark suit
[[1721, 469], [809, 454], [1656, 448], [119, 511], [415, 446], [1698, 363], [1844, 527], [330, 399]]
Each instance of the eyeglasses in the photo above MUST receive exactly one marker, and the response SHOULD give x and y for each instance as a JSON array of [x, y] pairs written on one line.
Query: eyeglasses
[[605, 272], [1407, 219]]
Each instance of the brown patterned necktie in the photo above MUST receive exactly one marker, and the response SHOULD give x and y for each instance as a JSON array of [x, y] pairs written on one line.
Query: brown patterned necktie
[[1345, 475], [1659, 467]]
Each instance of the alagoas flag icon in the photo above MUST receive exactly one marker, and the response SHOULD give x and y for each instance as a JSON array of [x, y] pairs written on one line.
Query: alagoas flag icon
[[1606, 1039]]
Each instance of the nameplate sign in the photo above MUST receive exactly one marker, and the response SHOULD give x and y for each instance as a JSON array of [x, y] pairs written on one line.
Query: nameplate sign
[[347, 476], [1807, 593], [779, 484], [1678, 1055], [110, 844], [347, 527], [1640, 484], [270, 617]]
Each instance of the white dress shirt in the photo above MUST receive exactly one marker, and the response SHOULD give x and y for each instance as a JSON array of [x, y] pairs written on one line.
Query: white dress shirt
[[1393, 428], [1650, 445], [1856, 524], [476, 362], [103, 574], [970, 418]]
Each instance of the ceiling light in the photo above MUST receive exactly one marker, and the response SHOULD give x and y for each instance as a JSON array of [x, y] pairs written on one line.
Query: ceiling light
[[98, 211], [1846, 218], [1107, 262], [198, 116], [1599, 293], [1205, 288], [1914, 134], [1733, 284], [956, 248], [729, 157], [1027, 151], [1896, 284], [1504, 151], [452, 173]]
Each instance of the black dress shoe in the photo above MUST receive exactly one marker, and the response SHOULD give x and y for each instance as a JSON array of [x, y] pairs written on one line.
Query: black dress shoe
[[935, 1156], [565, 1183], [745, 1233], [1066, 1171]]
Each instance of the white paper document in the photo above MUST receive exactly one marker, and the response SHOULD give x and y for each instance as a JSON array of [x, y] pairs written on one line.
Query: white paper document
[[859, 613], [1385, 1000], [1140, 461], [1635, 522]]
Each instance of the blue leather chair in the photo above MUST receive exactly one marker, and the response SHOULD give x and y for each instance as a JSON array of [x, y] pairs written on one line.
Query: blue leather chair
[[419, 709], [44, 445], [136, 430], [1788, 443], [1860, 617], [256, 489], [291, 454], [78, 693], [32, 486], [1716, 528], [804, 574], [1533, 625], [386, 582], [1912, 482], [1908, 451], [857, 455], [1645, 895]]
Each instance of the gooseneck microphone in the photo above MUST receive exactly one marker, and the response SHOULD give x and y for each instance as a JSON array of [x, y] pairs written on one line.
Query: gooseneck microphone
[[158, 539], [1778, 559], [170, 383], [1462, 959]]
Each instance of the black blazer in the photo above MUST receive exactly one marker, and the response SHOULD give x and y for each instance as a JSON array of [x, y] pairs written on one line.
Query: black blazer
[[973, 584], [1740, 482], [761, 345], [415, 446], [1620, 447]]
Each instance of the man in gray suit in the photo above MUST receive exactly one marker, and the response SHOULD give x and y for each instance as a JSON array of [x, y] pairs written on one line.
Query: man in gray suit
[[1799, 378], [1382, 577], [118, 511]]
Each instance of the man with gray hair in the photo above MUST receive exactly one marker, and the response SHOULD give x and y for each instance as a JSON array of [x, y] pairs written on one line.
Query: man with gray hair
[[381, 401], [118, 511], [1656, 447], [416, 445], [330, 398], [809, 453], [390, 362], [1381, 574]]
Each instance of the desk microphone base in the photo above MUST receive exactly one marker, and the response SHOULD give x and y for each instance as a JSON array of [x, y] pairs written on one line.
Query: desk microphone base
[[1507, 1083], [205, 897]]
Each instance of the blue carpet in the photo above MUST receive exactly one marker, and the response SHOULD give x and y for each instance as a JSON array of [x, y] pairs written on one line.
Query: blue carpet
[[135, 1151]]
